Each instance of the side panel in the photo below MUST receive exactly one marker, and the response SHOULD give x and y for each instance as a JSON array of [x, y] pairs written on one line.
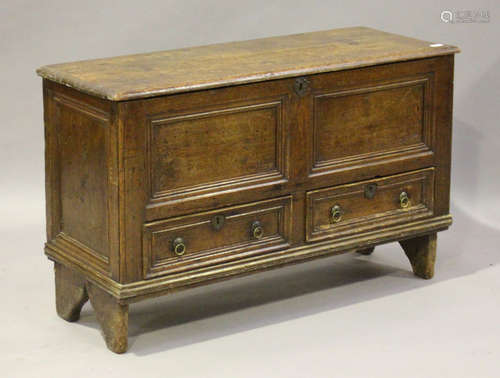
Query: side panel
[[81, 178], [443, 138]]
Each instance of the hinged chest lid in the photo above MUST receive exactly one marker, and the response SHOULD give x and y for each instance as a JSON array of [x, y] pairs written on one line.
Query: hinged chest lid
[[173, 71]]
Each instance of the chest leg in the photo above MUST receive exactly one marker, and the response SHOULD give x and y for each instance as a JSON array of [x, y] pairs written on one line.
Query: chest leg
[[367, 251], [71, 293], [112, 316], [421, 252]]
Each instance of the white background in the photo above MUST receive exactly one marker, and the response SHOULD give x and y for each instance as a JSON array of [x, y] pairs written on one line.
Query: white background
[[342, 316]]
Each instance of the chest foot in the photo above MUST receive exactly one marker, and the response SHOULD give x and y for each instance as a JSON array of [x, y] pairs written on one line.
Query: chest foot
[[112, 316], [366, 251], [421, 252], [71, 293]]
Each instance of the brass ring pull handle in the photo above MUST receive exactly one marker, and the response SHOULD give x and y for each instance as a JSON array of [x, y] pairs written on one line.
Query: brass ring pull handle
[[336, 214], [257, 230], [179, 246], [404, 201]]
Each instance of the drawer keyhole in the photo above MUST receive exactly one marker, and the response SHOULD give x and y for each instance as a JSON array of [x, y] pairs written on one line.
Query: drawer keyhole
[[370, 190], [218, 222]]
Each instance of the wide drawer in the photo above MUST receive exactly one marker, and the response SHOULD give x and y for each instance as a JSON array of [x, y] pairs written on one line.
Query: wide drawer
[[368, 205], [212, 237]]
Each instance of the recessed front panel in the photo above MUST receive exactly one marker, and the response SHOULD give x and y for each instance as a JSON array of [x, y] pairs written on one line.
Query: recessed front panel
[[371, 123], [216, 149]]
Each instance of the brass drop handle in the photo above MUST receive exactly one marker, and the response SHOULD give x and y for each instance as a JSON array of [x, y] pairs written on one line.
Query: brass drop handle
[[257, 230], [404, 201], [179, 246], [336, 214]]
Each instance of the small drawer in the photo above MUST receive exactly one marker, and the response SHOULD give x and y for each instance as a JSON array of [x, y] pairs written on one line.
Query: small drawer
[[213, 237], [368, 205]]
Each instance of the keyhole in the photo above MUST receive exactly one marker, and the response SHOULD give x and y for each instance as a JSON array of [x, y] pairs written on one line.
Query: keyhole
[[301, 86], [217, 222], [370, 190]]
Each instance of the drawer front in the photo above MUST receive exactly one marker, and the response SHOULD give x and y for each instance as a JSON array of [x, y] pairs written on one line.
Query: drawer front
[[368, 205], [207, 238]]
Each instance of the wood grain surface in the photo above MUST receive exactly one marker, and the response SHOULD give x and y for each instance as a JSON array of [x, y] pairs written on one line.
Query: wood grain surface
[[338, 141], [173, 71]]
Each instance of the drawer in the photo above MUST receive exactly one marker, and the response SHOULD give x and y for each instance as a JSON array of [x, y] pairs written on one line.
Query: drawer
[[212, 237], [368, 205]]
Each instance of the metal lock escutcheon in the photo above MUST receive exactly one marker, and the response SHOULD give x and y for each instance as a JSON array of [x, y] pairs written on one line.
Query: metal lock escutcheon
[[301, 86], [370, 190], [217, 222]]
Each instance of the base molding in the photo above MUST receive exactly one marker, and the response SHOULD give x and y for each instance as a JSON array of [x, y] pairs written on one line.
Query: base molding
[[136, 291]]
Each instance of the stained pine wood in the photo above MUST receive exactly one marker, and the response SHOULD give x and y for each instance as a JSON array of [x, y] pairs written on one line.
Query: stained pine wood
[[200, 144], [166, 72]]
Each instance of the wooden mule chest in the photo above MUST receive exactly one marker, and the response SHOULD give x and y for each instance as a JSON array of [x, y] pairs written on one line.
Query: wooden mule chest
[[180, 168]]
